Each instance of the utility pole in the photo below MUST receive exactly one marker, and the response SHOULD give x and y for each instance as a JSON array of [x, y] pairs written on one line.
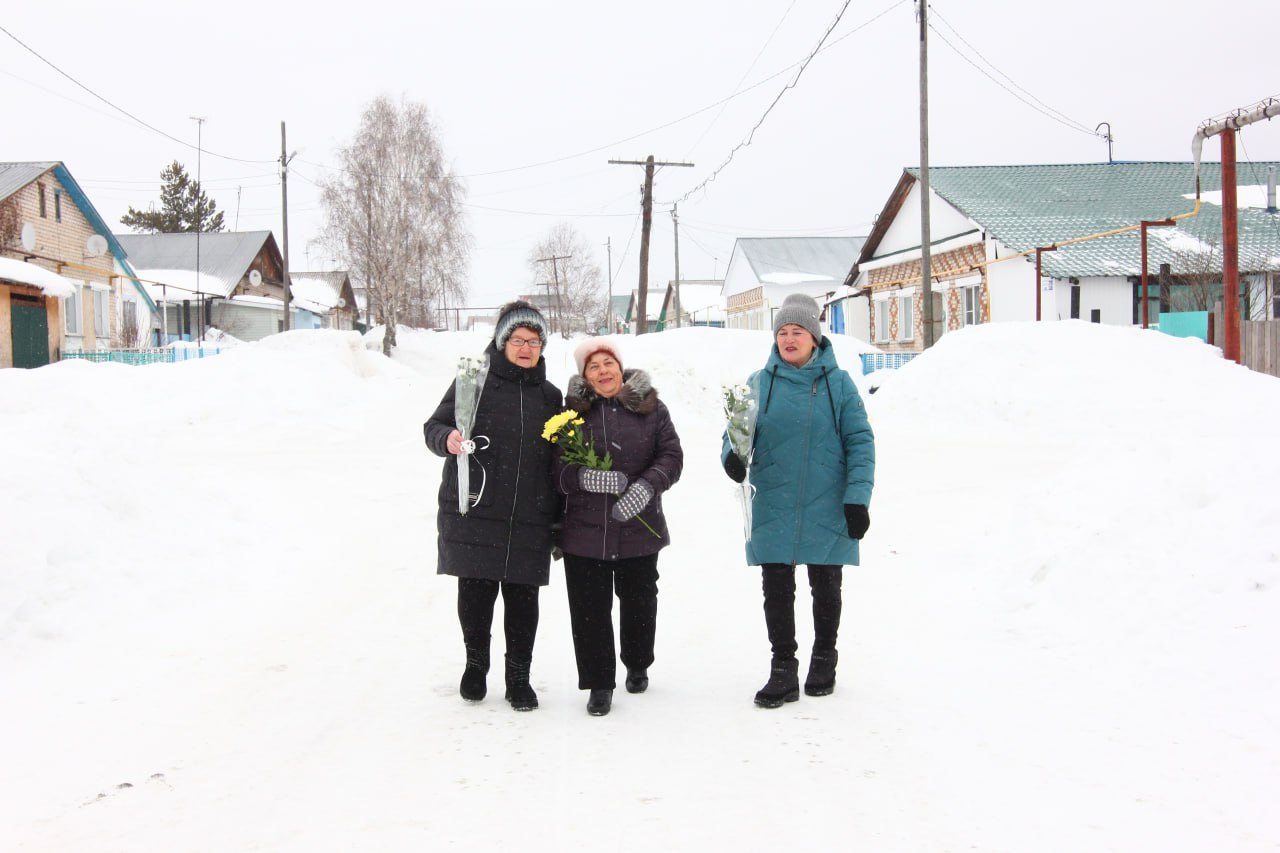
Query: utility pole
[[608, 306], [284, 207], [642, 322], [199, 120], [558, 318], [675, 224], [926, 259]]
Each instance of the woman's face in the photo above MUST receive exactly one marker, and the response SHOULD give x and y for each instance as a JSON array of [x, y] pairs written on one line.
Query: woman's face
[[524, 347], [795, 344], [603, 374]]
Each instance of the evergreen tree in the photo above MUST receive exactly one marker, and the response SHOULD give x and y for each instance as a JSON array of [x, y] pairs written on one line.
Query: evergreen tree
[[184, 206]]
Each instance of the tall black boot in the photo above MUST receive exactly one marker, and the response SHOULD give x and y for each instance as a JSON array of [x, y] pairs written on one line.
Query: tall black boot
[[519, 693], [783, 684], [474, 687], [821, 680]]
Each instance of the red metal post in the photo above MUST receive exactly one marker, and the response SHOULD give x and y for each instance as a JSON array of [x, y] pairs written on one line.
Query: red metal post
[[1230, 251]]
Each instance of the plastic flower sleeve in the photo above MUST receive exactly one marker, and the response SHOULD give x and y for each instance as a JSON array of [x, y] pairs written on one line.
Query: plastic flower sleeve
[[466, 400]]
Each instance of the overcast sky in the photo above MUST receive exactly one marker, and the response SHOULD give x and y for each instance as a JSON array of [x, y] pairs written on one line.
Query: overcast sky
[[532, 99]]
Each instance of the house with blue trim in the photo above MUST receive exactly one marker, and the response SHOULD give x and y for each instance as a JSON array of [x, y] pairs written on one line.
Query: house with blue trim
[[66, 283], [763, 271], [987, 223]]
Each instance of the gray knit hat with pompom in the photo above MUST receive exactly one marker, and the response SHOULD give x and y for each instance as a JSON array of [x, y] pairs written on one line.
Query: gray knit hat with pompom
[[514, 315]]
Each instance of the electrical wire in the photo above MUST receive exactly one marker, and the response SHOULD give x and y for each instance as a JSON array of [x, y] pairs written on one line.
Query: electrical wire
[[791, 85], [1030, 100], [122, 110]]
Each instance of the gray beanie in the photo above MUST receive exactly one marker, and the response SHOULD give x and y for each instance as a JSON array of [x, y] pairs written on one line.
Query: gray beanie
[[515, 314], [801, 310]]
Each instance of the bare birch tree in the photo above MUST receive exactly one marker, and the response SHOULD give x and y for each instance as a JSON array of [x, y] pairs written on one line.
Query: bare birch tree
[[394, 215], [576, 298]]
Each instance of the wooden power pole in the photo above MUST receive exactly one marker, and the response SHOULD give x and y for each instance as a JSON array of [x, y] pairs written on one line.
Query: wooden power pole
[[646, 225]]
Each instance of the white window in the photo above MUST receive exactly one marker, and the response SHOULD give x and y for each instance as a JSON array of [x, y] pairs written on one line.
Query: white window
[[100, 302], [972, 297], [906, 326], [882, 320], [72, 311]]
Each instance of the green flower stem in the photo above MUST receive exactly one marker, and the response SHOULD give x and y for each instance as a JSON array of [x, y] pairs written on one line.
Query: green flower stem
[[647, 527]]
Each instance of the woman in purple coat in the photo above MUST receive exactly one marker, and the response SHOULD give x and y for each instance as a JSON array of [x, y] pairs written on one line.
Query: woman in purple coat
[[613, 523]]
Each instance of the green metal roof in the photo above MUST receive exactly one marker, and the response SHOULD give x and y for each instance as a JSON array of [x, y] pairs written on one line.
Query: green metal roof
[[1028, 206]]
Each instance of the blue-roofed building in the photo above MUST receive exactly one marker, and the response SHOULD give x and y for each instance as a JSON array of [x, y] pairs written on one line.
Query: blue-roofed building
[[987, 221], [65, 282]]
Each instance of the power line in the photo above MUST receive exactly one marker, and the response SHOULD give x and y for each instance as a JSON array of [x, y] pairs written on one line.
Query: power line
[[803, 65], [118, 109], [1034, 102]]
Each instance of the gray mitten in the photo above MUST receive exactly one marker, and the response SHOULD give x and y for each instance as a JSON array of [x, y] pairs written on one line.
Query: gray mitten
[[603, 482], [636, 498]]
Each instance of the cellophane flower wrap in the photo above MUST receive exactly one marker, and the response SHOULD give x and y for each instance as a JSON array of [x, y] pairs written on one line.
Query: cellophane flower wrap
[[740, 409], [472, 371]]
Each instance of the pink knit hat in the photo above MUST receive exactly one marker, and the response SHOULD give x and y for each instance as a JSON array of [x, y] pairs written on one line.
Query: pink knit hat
[[590, 347]]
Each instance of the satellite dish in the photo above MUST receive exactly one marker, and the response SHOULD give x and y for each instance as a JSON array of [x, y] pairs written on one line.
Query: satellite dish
[[342, 303], [28, 237], [255, 278], [95, 246]]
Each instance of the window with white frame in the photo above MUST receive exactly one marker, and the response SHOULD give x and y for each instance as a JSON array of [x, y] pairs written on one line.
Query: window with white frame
[[906, 325], [882, 319], [72, 312], [101, 299], [972, 298]]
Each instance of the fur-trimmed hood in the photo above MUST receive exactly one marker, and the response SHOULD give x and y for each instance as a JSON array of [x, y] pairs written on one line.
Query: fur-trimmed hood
[[637, 394]]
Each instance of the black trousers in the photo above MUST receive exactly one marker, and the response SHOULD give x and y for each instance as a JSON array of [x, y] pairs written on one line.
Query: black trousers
[[476, 598], [591, 585], [779, 581]]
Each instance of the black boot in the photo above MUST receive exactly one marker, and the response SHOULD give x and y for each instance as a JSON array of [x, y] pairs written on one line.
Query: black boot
[[519, 693], [473, 687], [599, 702], [821, 680], [783, 685], [637, 680]]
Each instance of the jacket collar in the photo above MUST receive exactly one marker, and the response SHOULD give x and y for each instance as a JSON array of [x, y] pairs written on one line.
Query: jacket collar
[[637, 394]]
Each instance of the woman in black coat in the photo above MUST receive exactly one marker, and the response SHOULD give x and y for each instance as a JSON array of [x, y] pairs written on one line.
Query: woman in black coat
[[503, 543], [613, 523]]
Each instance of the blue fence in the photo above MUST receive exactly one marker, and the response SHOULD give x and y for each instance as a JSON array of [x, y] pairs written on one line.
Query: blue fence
[[873, 361], [167, 355]]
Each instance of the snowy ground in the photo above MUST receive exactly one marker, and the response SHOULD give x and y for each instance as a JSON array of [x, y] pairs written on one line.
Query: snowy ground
[[221, 628]]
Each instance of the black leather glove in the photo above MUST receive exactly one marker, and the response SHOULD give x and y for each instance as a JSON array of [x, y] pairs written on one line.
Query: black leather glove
[[858, 520], [734, 468]]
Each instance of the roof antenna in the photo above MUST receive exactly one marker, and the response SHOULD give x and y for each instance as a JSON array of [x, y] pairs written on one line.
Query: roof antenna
[[1107, 137]]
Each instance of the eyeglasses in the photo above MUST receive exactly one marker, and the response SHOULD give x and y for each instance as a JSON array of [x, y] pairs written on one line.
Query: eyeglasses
[[518, 343]]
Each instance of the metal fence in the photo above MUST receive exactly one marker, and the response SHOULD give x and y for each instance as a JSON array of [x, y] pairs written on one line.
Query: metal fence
[[165, 355], [873, 361]]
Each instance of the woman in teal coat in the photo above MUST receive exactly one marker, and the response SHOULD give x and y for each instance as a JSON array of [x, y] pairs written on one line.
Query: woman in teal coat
[[812, 466]]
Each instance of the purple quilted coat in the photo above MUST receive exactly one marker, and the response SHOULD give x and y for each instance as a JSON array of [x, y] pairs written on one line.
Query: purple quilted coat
[[635, 428]]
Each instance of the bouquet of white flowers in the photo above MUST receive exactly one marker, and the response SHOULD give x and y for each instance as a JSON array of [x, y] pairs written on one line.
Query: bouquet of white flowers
[[740, 410], [469, 383]]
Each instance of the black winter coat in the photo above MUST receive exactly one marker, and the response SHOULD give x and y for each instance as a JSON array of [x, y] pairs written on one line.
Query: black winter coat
[[507, 535], [634, 427]]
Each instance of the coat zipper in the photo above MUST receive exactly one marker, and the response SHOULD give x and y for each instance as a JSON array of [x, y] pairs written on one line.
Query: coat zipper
[[515, 493], [808, 434]]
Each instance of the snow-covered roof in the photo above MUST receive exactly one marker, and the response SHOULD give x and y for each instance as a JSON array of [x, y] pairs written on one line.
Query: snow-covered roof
[[22, 272], [317, 292], [225, 256]]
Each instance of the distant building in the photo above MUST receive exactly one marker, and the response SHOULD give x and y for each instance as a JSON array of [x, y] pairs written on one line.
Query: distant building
[[701, 304], [763, 271]]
